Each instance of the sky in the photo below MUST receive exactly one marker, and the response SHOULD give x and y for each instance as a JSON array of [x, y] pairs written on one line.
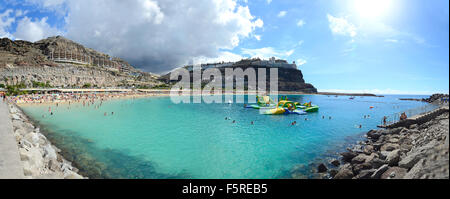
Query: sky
[[375, 46]]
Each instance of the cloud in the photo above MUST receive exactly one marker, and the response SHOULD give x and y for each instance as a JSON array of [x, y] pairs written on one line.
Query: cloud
[[258, 37], [6, 20], [223, 56], [340, 26], [300, 62], [30, 30], [154, 35], [266, 53], [300, 23], [269, 1], [391, 40], [282, 14]]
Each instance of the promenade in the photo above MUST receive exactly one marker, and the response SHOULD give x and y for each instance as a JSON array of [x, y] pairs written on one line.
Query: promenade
[[10, 164]]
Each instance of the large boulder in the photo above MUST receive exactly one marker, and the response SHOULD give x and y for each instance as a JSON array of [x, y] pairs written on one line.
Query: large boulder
[[414, 173], [322, 168], [365, 174], [345, 172], [394, 173], [348, 156], [377, 174], [389, 147], [393, 157]]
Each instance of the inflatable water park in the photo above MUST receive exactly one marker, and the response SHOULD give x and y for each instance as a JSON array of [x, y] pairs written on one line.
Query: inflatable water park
[[284, 106]]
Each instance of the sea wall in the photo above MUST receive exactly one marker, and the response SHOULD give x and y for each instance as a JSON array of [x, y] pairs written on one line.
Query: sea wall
[[417, 151], [41, 159]]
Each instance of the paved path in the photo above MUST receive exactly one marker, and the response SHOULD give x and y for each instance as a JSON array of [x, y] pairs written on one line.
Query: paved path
[[10, 164]]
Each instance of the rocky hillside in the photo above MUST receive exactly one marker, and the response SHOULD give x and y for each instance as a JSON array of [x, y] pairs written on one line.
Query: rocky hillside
[[289, 79], [25, 62]]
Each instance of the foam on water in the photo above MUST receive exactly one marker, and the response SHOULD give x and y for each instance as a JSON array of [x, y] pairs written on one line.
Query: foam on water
[[154, 138]]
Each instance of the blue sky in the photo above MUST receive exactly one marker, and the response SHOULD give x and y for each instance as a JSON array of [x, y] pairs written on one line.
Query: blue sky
[[373, 46]]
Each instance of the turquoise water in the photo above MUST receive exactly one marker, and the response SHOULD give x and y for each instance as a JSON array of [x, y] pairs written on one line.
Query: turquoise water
[[154, 138]]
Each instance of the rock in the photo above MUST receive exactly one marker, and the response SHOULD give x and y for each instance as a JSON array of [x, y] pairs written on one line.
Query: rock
[[54, 165], [368, 149], [415, 155], [49, 152], [365, 174], [72, 175], [393, 140], [348, 156], [333, 172], [394, 173], [384, 154], [414, 173], [361, 158], [345, 172], [393, 157], [377, 174], [335, 162], [359, 167], [377, 163], [27, 170], [373, 135], [298, 176], [32, 138], [389, 147], [396, 130], [377, 146], [413, 126], [15, 117], [322, 168]]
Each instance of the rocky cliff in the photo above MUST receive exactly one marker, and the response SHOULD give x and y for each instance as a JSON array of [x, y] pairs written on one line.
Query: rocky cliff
[[289, 79], [25, 62]]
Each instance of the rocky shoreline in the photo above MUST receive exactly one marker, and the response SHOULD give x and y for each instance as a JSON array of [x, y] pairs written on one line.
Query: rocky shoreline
[[419, 150], [40, 159]]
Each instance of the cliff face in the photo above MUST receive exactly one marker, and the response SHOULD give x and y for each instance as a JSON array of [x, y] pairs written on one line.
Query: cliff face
[[288, 79], [23, 61]]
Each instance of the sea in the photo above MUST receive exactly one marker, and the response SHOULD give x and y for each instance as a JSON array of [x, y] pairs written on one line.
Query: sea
[[155, 138]]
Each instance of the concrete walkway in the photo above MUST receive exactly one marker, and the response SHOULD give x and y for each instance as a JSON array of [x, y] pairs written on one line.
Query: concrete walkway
[[10, 164]]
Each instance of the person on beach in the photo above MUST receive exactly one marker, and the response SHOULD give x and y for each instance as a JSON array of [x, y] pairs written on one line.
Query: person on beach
[[105, 114], [403, 116], [384, 120]]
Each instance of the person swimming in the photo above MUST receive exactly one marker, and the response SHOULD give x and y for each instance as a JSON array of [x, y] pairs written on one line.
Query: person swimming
[[251, 123], [329, 117], [294, 123], [234, 121]]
